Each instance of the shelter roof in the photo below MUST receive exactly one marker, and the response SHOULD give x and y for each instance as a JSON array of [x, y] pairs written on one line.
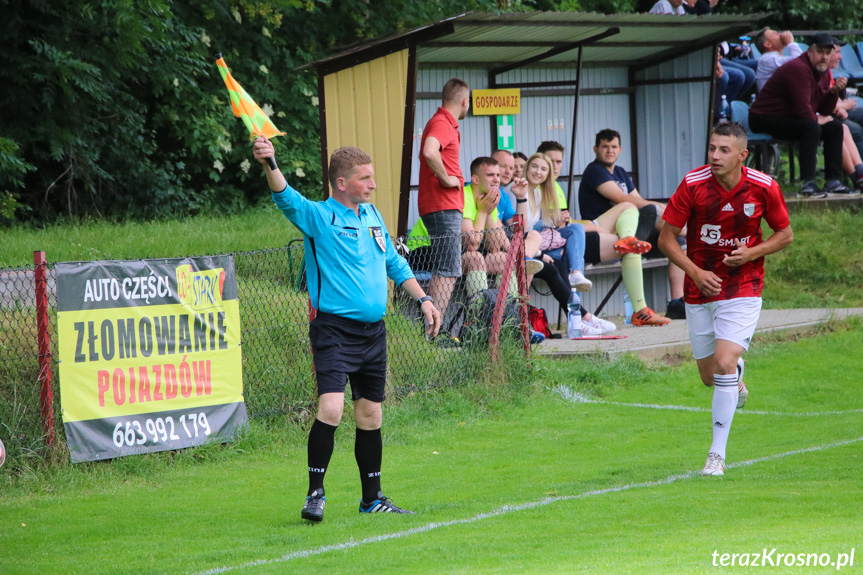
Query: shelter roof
[[497, 40]]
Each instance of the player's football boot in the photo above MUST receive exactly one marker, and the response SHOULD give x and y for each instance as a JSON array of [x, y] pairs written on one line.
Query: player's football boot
[[715, 465], [382, 505], [313, 510], [647, 316], [741, 387], [631, 245]]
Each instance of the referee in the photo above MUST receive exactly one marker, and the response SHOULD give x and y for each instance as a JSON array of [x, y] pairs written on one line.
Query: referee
[[351, 256]]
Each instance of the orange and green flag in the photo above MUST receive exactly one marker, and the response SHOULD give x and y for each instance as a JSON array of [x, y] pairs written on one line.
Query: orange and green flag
[[245, 108]]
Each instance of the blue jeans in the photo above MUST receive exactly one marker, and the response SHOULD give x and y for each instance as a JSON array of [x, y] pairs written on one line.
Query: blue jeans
[[574, 248], [748, 76]]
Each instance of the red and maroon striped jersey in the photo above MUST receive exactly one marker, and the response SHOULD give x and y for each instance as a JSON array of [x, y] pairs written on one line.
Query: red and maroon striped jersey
[[716, 217]]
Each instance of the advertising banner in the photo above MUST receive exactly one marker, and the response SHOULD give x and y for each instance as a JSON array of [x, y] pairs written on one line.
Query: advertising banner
[[150, 355]]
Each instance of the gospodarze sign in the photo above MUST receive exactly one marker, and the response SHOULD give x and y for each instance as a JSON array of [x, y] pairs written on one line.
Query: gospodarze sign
[[150, 355]]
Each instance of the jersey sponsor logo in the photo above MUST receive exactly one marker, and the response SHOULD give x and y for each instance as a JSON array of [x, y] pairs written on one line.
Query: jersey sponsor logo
[[710, 233], [749, 209], [727, 208]]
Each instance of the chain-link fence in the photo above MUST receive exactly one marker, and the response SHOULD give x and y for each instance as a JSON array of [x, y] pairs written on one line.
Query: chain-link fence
[[275, 311]]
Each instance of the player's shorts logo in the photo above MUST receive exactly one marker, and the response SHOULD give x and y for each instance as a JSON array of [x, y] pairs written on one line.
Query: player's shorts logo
[[749, 209], [710, 233]]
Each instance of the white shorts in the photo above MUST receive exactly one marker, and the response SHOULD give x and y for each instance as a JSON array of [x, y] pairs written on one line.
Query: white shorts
[[733, 320]]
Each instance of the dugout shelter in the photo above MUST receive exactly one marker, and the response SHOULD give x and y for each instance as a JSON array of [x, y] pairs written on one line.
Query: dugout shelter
[[650, 77]]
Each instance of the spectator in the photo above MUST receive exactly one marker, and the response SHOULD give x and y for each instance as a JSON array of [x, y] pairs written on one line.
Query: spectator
[[604, 184], [772, 44], [441, 188], [506, 161], [700, 7], [520, 160], [851, 161], [554, 151], [485, 243], [788, 108], [674, 7], [740, 77], [538, 200]]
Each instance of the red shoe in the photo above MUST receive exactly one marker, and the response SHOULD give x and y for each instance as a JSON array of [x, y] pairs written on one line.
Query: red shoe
[[647, 316], [631, 245]]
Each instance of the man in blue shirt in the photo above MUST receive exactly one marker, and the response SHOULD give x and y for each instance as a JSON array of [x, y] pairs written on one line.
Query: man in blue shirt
[[349, 256]]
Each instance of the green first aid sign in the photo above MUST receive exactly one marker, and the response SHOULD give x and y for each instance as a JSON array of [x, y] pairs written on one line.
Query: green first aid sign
[[505, 134]]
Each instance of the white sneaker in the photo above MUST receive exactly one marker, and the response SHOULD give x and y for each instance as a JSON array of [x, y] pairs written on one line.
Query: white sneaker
[[588, 329], [532, 266], [603, 325], [743, 393], [579, 282], [715, 465]]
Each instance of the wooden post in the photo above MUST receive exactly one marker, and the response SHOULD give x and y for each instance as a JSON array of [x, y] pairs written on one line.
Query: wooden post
[[44, 340]]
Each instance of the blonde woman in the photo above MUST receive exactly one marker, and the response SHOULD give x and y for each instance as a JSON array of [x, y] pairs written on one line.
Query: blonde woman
[[536, 200]]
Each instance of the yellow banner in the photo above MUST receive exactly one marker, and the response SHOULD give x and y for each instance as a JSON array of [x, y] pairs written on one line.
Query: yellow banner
[[126, 361], [496, 102]]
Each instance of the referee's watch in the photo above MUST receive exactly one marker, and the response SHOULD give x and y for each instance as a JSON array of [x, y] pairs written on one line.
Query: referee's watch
[[424, 299]]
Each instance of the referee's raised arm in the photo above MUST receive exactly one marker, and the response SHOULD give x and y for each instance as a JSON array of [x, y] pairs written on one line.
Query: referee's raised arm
[[263, 149]]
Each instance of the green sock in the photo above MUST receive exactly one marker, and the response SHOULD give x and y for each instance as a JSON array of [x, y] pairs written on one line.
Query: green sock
[[626, 224], [512, 289], [633, 280], [475, 281]]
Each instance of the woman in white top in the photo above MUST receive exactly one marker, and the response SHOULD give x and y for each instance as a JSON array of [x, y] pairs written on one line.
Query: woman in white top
[[536, 200]]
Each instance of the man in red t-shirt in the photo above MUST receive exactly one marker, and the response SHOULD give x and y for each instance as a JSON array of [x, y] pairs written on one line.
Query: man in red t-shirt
[[723, 204], [441, 189]]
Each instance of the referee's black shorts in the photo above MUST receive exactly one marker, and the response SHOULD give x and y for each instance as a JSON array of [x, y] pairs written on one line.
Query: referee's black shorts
[[345, 348]]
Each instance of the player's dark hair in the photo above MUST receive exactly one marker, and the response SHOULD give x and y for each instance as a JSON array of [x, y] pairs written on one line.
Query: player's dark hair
[[607, 135], [759, 39], [479, 163], [549, 146], [731, 129], [519, 155]]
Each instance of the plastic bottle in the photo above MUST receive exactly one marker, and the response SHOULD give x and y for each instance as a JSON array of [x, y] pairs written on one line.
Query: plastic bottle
[[573, 316], [724, 109], [752, 100], [627, 308]]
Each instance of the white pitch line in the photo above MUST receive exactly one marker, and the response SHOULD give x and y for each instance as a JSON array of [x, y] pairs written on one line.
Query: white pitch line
[[506, 509], [567, 392]]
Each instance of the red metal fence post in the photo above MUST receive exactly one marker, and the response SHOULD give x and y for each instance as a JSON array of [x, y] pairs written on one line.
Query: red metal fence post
[[524, 320], [516, 247], [43, 335]]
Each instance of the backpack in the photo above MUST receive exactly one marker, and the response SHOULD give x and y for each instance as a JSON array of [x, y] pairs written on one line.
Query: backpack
[[478, 313], [538, 320]]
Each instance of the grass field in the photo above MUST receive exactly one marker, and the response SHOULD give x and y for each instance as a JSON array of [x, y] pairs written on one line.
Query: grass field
[[505, 479]]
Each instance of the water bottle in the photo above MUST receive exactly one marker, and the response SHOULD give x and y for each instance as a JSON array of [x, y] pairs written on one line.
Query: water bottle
[[752, 100], [627, 308], [746, 51], [573, 316], [724, 110]]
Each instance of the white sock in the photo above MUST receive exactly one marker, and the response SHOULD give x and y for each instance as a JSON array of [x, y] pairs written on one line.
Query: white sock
[[724, 403]]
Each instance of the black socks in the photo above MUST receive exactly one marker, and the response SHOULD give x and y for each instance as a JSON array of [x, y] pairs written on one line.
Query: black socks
[[321, 442], [368, 450]]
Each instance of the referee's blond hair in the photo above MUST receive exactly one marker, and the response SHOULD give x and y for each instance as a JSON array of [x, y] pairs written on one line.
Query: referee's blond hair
[[343, 161]]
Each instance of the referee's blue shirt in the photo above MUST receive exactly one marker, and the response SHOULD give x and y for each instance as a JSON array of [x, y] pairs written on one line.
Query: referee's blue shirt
[[346, 270]]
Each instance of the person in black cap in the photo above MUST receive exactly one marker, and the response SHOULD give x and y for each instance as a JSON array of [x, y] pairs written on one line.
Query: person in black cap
[[797, 103]]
